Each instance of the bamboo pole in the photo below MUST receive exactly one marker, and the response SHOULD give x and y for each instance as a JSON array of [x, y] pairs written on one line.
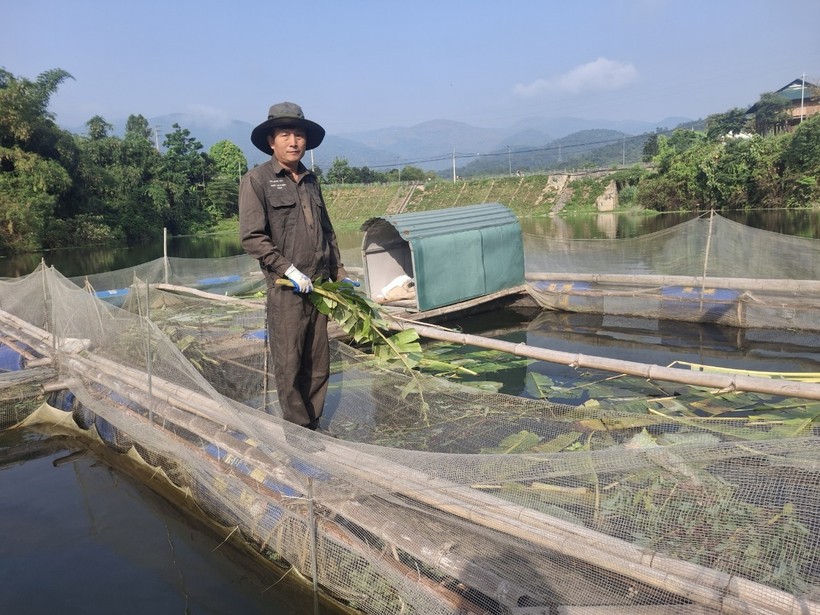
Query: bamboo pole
[[259, 305], [664, 609], [732, 382], [768, 285]]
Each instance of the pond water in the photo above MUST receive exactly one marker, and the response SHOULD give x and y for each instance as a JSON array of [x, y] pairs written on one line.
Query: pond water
[[641, 340], [80, 537], [82, 261]]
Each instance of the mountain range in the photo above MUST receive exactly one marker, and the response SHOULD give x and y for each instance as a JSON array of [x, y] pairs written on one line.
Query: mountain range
[[430, 145]]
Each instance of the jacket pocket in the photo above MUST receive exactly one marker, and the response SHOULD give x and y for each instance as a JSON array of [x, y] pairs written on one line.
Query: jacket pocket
[[281, 213]]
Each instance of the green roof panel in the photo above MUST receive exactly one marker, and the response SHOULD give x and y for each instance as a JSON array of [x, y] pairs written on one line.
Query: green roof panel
[[452, 254]]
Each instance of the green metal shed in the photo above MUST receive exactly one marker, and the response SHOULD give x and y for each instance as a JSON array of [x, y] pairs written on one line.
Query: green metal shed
[[451, 255]]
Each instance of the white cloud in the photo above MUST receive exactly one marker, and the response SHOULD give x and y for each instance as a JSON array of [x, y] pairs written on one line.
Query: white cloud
[[600, 75]]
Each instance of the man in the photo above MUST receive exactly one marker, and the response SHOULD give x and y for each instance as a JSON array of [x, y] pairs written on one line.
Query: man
[[283, 222]]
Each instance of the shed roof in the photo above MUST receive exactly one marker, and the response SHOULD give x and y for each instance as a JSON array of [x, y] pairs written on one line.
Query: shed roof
[[446, 221]]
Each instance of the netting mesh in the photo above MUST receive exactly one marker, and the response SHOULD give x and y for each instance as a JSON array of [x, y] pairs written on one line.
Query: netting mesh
[[435, 497], [708, 269]]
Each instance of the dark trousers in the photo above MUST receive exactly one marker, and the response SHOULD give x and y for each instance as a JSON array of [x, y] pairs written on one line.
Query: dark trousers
[[300, 354]]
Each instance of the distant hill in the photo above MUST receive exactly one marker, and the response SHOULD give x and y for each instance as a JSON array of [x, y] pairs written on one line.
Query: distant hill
[[598, 148], [429, 145]]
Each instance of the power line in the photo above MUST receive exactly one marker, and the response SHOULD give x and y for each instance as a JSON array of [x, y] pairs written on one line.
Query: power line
[[560, 148]]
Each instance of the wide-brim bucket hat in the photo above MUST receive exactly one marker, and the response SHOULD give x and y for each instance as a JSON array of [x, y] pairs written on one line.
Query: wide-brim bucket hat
[[287, 115]]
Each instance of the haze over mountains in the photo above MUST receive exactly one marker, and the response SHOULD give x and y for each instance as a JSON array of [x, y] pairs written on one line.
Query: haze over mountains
[[429, 145]]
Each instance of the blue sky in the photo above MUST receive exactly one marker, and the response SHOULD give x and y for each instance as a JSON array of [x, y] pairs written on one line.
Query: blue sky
[[360, 65]]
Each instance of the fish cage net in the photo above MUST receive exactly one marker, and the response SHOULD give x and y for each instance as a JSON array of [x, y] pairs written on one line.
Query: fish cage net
[[709, 269], [425, 495]]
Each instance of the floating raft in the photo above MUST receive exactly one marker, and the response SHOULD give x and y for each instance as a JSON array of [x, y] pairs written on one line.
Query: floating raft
[[735, 302]]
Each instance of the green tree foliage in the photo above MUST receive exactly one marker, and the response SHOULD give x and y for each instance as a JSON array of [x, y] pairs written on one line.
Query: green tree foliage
[[771, 113], [223, 190], [24, 109], [184, 173], [59, 189], [29, 188], [340, 172], [413, 174], [693, 173], [721, 124], [229, 161], [32, 149], [801, 163], [651, 148], [137, 127]]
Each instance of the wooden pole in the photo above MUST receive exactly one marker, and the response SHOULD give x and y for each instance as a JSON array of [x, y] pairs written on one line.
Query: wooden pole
[[733, 382]]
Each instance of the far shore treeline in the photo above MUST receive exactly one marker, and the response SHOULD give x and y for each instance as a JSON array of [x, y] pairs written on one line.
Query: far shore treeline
[[59, 189]]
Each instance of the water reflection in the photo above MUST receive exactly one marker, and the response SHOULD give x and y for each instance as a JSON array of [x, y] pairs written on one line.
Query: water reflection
[[86, 261], [81, 536]]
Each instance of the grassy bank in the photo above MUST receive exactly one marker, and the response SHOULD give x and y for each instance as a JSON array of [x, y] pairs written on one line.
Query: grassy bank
[[527, 196]]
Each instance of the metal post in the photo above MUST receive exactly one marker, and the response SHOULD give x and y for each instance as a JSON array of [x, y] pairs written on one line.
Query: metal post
[[802, 96]]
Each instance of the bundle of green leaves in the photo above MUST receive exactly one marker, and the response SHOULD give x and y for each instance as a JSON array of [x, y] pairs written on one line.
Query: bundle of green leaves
[[362, 320]]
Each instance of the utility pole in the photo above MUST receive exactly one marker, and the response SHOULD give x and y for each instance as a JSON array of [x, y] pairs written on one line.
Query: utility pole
[[623, 153], [156, 136], [802, 95], [454, 164], [509, 159]]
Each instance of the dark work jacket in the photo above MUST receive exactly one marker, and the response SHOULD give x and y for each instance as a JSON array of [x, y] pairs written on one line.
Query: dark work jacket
[[274, 227]]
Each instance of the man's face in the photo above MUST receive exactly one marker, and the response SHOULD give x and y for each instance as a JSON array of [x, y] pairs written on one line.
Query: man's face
[[288, 145]]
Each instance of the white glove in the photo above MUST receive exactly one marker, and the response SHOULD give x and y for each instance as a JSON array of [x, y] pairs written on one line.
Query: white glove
[[301, 283]]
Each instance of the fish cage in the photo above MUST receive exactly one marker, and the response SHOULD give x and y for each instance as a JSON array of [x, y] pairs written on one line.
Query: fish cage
[[433, 497]]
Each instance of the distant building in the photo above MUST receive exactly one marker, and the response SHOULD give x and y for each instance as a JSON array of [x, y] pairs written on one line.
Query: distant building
[[804, 98]]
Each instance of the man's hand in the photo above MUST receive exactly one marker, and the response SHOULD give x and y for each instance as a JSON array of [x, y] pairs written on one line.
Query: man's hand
[[351, 281], [301, 283]]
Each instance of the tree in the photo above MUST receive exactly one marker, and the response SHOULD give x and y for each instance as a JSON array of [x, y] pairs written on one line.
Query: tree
[[771, 113], [98, 128], [228, 159], [413, 174], [651, 148], [184, 173], [801, 162], [33, 149], [728, 123], [140, 199], [24, 105], [137, 127], [223, 190], [340, 172], [682, 140]]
